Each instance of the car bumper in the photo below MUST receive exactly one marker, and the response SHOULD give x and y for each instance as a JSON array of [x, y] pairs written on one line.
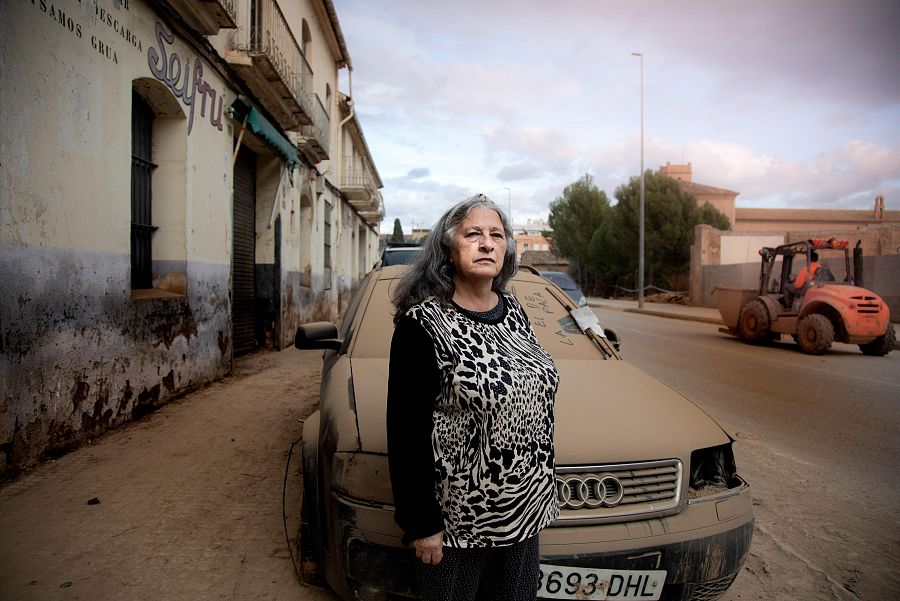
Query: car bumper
[[702, 548]]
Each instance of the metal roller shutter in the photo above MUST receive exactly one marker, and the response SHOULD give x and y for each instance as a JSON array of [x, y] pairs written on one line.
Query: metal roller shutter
[[243, 256]]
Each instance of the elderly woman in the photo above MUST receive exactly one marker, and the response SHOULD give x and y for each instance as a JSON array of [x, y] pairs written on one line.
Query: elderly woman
[[470, 414]]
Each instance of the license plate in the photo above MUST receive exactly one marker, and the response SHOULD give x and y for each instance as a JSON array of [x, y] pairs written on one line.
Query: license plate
[[563, 582]]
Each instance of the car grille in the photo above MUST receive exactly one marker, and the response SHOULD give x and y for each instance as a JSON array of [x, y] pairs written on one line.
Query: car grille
[[710, 591], [627, 490], [866, 304]]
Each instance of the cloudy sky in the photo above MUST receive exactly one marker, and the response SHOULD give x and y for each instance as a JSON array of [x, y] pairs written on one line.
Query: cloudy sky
[[792, 103]]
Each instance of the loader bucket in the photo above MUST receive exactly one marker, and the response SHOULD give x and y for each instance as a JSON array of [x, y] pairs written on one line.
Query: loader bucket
[[730, 301]]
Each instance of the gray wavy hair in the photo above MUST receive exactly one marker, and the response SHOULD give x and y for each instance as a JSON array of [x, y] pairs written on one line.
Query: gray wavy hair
[[432, 273]]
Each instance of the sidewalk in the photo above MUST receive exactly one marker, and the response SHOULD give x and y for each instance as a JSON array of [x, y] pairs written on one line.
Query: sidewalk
[[183, 505], [671, 310]]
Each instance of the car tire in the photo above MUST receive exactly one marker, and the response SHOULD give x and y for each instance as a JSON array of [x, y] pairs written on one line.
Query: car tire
[[815, 334], [310, 543], [882, 345], [753, 322]]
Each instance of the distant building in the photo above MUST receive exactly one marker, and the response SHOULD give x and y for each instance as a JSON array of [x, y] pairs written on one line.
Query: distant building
[[777, 220], [419, 233], [544, 260], [534, 234], [720, 198]]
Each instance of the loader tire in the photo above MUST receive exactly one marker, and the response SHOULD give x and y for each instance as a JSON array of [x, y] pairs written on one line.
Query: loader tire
[[753, 322], [815, 334], [882, 345]]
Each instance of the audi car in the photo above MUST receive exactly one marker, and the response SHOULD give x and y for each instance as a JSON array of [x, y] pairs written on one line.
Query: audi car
[[651, 503]]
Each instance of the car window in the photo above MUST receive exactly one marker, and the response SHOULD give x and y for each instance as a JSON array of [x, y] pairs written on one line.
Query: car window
[[350, 312], [553, 325]]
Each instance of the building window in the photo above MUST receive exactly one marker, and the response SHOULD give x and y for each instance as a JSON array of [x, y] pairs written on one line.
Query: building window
[[141, 193], [306, 249], [305, 40], [326, 215], [159, 168]]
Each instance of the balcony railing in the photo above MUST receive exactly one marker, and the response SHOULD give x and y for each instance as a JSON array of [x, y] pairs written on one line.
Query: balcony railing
[[278, 73], [316, 135], [361, 191], [357, 181], [224, 11], [207, 16]]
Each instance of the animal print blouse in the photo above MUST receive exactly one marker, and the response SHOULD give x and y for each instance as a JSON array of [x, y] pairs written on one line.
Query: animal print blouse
[[470, 402]]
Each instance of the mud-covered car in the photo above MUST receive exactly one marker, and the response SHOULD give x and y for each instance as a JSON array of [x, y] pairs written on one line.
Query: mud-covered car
[[568, 285], [651, 504]]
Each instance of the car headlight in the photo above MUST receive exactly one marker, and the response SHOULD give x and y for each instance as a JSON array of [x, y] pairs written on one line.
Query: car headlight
[[362, 476], [712, 472]]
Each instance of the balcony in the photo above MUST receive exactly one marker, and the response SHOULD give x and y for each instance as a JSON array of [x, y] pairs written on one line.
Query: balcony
[[267, 57], [359, 187], [313, 140], [207, 16], [372, 212]]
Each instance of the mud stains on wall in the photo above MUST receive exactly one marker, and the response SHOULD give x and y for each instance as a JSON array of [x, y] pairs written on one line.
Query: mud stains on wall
[[300, 304], [81, 356]]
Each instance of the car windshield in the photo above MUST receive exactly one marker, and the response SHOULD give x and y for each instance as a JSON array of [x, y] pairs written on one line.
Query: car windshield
[[553, 324]]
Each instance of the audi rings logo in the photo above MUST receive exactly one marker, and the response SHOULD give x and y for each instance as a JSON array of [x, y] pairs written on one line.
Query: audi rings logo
[[576, 492]]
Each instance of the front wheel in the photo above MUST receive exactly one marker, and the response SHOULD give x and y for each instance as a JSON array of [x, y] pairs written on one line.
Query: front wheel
[[312, 567], [882, 345], [815, 334], [753, 322]]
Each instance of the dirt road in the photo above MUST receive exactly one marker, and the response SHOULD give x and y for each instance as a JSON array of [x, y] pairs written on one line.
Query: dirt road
[[184, 505]]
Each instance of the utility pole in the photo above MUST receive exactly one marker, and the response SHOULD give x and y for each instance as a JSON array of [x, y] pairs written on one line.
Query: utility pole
[[641, 227]]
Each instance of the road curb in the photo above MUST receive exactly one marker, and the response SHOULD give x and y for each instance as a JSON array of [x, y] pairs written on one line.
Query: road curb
[[684, 317], [669, 314]]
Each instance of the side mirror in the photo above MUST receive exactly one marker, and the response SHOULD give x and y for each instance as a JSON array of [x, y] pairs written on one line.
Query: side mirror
[[317, 335], [612, 337]]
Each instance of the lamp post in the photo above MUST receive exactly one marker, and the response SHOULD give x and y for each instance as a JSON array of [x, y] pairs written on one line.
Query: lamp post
[[641, 226]]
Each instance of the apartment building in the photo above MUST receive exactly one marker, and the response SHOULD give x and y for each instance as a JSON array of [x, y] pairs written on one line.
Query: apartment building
[[182, 182], [532, 236]]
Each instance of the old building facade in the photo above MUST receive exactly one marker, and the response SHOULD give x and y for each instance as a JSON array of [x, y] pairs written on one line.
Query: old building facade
[[180, 182]]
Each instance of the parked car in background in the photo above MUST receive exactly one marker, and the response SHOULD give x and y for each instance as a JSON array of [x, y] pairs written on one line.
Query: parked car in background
[[402, 253], [652, 506], [568, 284]]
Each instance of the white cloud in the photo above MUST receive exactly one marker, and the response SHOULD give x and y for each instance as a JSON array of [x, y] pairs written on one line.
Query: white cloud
[[790, 104]]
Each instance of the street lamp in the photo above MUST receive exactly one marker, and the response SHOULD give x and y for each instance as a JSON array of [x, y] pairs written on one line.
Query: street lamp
[[641, 226]]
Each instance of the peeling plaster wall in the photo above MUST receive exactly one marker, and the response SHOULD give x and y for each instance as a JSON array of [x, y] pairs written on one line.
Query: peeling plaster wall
[[80, 351], [301, 304], [80, 356]]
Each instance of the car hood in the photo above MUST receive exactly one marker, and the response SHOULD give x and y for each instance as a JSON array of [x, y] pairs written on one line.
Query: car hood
[[606, 412]]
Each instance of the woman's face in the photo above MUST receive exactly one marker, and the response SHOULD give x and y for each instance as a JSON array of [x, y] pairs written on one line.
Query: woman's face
[[479, 245]]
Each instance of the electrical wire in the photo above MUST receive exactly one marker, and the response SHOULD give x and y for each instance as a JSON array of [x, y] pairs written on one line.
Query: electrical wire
[[287, 537]]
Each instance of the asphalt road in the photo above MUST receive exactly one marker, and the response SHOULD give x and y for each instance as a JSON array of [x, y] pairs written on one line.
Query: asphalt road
[[819, 440]]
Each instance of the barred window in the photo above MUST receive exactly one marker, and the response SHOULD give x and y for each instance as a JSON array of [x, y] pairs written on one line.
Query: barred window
[[141, 192], [326, 215]]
